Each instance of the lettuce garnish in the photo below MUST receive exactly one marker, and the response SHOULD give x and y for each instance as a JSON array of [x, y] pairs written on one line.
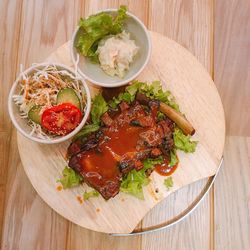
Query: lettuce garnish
[[168, 182], [70, 178], [90, 194], [153, 91], [173, 158], [86, 130], [96, 27], [135, 180], [183, 142], [99, 107]]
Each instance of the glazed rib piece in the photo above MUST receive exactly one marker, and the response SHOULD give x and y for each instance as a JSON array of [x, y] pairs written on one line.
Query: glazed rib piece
[[129, 137], [105, 180]]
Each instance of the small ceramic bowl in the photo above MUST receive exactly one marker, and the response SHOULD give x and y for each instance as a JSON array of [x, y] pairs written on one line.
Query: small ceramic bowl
[[21, 123], [93, 72]]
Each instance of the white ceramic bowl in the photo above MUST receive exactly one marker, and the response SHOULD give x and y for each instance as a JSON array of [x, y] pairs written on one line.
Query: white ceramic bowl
[[96, 75], [21, 124]]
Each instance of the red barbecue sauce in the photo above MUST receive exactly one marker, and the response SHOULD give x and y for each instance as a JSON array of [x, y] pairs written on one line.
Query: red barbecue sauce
[[164, 168], [119, 139], [117, 143]]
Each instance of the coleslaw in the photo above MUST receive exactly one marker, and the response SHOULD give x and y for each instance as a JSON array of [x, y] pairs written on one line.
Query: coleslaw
[[41, 89]]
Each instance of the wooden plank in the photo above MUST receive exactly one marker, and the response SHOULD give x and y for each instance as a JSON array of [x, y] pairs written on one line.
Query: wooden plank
[[232, 64], [10, 14], [4, 151], [80, 238], [43, 27], [182, 235], [139, 8], [232, 196], [28, 220], [190, 23]]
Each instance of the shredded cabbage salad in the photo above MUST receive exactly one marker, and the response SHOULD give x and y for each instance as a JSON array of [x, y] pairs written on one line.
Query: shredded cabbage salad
[[41, 88]]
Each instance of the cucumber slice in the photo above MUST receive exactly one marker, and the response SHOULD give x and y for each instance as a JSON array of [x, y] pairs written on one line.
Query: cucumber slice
[[34, 114], [68, 95]]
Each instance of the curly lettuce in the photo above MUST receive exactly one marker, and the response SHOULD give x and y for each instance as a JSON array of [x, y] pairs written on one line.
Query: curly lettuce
[[96, 27], [134, 182], [86, 130], [168, 183], [153, 91], [184, 142], [173, 158], [90, 194], [99, 107], [70, 178]]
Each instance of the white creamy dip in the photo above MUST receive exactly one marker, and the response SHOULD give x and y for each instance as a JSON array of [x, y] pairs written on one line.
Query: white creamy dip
[[116, 53]]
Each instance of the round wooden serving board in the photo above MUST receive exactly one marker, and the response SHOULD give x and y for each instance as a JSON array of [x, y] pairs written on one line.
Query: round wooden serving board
[[185, 77]]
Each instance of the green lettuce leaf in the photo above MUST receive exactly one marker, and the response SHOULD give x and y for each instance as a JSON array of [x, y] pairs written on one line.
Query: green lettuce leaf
[[134, 87], [173, 158], [183, 142], [70, 178], [135, 180], [86, 130], [119, 20], [153, 91], [168, 182], [90, 194], [96, 27], [99, 107]]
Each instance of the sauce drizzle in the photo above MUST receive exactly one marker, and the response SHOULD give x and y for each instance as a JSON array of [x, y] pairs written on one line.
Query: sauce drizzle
[[164, 168]]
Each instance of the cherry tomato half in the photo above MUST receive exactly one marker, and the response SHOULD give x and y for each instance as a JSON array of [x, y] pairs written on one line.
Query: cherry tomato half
[[61, 119]]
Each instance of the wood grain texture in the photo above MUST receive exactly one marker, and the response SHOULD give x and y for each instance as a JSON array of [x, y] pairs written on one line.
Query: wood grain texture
[[138, 11], [139, 8], [232, 64], [181, 235], [27, 40], [45, 37], [232, 196], [80, 238], [26, 209], [39, 38], [185, 21], [190, 23], [10, 16]]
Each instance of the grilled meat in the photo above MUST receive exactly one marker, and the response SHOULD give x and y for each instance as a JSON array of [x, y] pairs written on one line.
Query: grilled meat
[[128, 138], [106, 119], [107, 183]]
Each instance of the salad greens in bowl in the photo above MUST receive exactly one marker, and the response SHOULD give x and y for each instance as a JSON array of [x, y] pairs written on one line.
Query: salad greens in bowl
[[111, 48], [49, 103]]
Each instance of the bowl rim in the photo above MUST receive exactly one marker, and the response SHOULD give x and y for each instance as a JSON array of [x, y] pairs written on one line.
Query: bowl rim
[[121, 82], [62, 138]]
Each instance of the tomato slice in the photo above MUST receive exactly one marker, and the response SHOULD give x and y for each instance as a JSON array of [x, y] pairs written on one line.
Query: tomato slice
[[61, 119]]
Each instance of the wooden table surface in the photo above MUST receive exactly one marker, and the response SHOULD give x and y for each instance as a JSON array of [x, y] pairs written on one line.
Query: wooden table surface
[[217, 32]]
